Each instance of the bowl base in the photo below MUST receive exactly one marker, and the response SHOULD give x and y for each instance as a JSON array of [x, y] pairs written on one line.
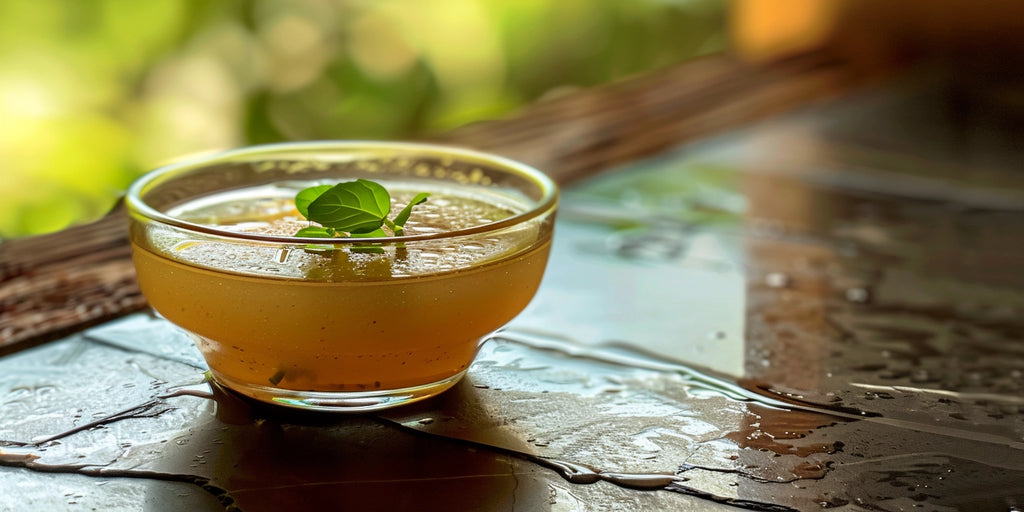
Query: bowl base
[[338, 401]]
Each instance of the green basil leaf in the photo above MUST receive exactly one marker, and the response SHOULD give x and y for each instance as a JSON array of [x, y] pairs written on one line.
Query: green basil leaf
[[307, 196], [403, 215], [356, 207]]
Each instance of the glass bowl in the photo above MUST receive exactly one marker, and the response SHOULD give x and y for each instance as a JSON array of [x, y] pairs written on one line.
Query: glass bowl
[[344, 323]]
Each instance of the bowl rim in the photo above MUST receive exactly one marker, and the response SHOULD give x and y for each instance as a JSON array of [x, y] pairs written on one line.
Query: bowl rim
[[138, 207]]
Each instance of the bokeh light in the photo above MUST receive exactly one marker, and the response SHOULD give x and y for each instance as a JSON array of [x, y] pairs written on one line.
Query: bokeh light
[[94, 93]]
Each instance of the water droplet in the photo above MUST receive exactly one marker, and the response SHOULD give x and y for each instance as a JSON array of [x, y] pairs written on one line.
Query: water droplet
[[716, 335]]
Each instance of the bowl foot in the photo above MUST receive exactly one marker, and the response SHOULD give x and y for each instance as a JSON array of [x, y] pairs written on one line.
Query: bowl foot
[[338, 401]]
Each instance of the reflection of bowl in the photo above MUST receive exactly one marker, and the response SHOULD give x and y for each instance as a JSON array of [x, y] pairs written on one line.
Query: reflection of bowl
[[346, 324]]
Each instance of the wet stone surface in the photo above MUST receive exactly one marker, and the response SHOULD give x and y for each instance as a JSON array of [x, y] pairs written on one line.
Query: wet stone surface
[[729, 327]]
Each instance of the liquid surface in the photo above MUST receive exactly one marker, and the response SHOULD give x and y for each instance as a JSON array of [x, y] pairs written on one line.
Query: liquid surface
[[270, 210]]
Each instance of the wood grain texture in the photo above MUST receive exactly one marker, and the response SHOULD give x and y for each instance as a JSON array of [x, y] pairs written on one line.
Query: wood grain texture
[[55, 284]]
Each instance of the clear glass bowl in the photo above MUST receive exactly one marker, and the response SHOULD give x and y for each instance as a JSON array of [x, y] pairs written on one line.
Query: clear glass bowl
[[341, 324]]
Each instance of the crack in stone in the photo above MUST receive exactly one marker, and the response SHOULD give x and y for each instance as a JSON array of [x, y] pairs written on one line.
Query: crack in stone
[[794, 403], [758, 506], [28, 461], [683, 468], [143, 410], [583, 474], [148, 409]]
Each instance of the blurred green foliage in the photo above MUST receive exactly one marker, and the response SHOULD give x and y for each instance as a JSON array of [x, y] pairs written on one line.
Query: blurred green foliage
[[92, 93]]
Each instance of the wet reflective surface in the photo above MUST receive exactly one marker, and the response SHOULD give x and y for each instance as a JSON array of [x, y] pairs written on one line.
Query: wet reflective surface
[[806, 315]]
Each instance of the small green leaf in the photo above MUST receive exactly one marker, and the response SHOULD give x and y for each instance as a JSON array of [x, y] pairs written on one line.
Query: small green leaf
[[315, 232], [307, 196], [403, 215], [356, 207]]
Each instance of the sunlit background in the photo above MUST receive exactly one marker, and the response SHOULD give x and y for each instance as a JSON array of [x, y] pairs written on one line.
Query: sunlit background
[[94, 93]]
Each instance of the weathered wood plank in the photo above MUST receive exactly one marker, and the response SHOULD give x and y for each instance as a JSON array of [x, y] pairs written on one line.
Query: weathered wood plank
[[593, 129], [55, 284]]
